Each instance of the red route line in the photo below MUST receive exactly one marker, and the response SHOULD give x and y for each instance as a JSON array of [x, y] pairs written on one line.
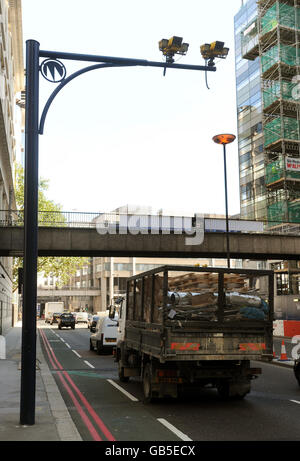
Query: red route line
[[94, 415], [84, 417]]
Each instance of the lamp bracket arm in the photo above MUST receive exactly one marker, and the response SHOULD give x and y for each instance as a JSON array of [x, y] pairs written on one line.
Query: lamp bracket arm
[[67, 80]]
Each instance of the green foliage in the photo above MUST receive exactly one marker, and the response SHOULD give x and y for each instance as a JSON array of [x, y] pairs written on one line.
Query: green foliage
[[49, 214]]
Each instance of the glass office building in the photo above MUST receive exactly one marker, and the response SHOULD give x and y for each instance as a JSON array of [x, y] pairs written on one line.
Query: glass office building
[[267, 35], [249, 114]]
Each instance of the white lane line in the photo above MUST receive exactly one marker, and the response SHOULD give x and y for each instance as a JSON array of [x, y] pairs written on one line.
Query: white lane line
[[85, 361], [77, 354], [173, 429], [131, 397], [68, 345], [295, 401]]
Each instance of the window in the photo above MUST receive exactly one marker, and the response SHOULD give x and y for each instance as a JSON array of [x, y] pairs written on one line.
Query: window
[[287, 284]]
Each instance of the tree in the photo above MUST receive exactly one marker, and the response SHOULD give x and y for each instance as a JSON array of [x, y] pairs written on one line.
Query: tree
[[50, 214]]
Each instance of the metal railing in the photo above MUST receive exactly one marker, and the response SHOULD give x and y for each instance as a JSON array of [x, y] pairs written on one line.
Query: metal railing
[[120, 222], [15, 218], [57, 289]]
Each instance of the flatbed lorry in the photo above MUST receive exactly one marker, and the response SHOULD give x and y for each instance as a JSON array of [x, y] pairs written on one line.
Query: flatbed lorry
[[183, 326]]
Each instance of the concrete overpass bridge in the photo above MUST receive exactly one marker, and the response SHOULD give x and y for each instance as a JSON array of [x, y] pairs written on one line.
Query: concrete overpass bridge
[[86, 241]]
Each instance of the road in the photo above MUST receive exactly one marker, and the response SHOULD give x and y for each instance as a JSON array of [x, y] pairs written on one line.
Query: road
[[105, 409]]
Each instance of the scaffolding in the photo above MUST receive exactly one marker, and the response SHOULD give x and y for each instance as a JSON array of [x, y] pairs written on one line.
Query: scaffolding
[[274, 37]]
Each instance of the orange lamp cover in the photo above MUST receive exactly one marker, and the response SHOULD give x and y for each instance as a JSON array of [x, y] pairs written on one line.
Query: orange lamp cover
[[224, 138]]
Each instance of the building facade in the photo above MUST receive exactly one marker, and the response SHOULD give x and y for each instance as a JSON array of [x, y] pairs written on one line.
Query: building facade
[[267, 35], [111, 273], [11, 124], [267, 38], [249, 116]]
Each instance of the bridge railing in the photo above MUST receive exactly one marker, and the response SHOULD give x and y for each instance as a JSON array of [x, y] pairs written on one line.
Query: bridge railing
[[15, 218], [120, 223], [56, 289]]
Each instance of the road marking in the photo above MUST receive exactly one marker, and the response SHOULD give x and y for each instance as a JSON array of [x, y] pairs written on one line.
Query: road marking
[[131, 397], [63, 375], [295, 401], [68, 345], [77, 354], [173, 429], [85, 361]]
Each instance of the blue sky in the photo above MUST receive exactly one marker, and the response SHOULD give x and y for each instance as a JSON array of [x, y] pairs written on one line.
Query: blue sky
[[131, 135]]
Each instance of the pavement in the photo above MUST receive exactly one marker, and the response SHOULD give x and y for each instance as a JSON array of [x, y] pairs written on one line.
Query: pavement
[[52, 419]]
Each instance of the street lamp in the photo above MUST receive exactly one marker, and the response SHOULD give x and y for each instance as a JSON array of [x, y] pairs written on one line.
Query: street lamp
[[225, 139], [53, 70]]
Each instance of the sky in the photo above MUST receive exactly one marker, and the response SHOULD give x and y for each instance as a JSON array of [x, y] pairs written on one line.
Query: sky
[[132, 136]]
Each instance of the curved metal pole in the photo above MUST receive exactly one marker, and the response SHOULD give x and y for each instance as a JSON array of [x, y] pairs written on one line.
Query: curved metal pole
[[69, 79]]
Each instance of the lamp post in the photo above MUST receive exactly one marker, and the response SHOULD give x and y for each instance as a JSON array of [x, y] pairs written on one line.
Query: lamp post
[[53, 70], [225, 139]]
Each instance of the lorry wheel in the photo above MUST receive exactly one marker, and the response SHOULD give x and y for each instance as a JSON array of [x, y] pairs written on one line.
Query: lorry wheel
[[122, 378], [147, 384], [225, 392]]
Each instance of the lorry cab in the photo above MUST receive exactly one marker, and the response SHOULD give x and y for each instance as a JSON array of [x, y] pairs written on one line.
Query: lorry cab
[[105, 336]]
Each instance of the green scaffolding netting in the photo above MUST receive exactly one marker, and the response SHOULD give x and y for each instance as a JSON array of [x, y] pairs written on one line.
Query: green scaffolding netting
[[284, 211], [284, 15], [294, 212], [281, 128], [276, 171], [285, 54], [277, 212], [280, 90]]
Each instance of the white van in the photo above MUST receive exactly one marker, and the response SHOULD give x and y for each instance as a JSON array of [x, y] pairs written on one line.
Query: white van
[[82, 317], [105, 336]]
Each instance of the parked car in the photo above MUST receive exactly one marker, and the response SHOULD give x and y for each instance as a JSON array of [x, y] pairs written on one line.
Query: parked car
[[105, 336], [54, 316], [93, 323], [66, 319]]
